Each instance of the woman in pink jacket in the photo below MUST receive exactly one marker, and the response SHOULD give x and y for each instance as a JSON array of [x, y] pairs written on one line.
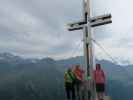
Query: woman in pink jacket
[[99, 77]]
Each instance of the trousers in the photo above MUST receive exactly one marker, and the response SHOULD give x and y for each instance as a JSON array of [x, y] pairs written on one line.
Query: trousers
[[70, 91]]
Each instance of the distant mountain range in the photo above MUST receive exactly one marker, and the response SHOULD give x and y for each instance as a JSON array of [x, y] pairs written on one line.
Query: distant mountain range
[[42, 79]]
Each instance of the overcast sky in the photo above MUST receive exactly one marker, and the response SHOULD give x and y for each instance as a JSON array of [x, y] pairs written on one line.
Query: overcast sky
[[37, 28]]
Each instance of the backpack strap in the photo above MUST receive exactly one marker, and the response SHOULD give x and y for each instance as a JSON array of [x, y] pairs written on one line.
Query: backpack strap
[[70, 74]]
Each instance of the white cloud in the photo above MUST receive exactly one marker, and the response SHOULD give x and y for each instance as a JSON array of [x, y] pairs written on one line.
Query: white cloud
[[36, 28]]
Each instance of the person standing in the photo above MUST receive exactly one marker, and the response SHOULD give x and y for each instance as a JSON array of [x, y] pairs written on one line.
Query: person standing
[[99, 77], [79, 74], [69, 84]]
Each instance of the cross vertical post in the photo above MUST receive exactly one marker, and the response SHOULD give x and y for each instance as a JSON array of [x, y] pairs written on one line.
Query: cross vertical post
[[88, 50]]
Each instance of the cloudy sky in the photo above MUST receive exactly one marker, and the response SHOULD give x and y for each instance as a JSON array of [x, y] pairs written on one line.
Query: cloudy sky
[[37, 28]]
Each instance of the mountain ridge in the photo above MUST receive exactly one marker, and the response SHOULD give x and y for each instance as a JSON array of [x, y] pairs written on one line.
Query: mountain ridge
[[38, 79]]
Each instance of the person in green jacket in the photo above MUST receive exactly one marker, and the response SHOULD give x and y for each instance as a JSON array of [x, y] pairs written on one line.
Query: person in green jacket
[[69, 79]]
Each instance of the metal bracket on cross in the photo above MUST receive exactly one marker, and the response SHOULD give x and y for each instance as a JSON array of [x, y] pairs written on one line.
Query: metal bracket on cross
[[100, 20], [94, 22], [76, 25]]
